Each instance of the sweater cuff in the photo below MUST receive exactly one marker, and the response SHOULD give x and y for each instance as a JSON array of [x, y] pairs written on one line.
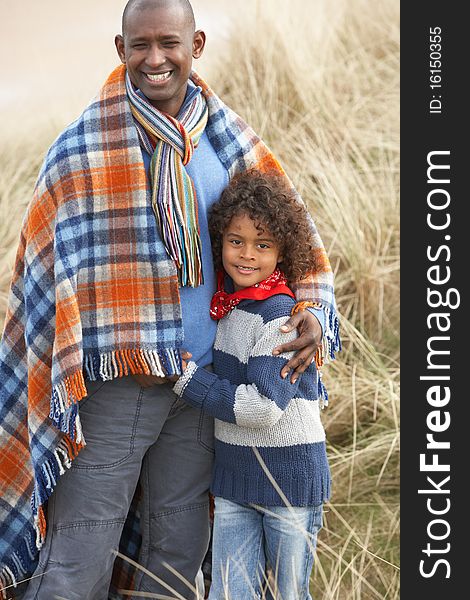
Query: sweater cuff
[[185, 378], [194, 384]]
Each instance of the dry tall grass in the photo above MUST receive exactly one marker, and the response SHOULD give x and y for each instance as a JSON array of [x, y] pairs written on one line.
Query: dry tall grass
[[319, 81]]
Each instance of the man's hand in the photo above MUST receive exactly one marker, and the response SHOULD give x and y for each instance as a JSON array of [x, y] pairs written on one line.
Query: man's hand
[[305, 346], [147, 381]]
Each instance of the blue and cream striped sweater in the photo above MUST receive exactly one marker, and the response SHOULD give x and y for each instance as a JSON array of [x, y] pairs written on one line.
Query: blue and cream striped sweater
[[254, 407]]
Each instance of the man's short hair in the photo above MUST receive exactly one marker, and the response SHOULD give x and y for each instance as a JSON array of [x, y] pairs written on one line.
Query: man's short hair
[[143, 4]]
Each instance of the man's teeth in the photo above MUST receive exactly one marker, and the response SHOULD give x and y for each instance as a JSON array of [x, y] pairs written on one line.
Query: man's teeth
[[159, 76]]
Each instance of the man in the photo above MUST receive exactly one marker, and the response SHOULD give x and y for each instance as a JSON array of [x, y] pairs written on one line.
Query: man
[[113, 277]]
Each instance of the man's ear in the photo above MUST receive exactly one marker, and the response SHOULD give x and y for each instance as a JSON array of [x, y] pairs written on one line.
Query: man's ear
[[199, 41], [119, 43]]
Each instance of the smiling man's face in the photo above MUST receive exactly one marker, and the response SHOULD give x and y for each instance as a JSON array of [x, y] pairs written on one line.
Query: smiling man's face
[[157, 47]]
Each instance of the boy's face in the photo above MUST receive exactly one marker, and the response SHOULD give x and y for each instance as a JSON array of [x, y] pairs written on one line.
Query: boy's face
[[158, 46], [249, 255]]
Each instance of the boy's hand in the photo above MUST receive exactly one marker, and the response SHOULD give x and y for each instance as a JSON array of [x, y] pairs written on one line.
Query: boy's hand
[[185, 357], [305, 346]]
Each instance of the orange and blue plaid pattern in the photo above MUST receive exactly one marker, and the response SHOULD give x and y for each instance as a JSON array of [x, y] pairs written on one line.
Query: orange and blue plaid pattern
[[95, 295]]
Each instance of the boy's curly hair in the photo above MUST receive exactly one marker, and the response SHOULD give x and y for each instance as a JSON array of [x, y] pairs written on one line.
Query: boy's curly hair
[[268, 200]]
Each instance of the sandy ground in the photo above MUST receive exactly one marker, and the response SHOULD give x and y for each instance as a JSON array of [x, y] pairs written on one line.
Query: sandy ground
[[55, 54]]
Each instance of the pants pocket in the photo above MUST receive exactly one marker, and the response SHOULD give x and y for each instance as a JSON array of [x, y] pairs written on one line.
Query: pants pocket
[[109, 421], [205, 432]]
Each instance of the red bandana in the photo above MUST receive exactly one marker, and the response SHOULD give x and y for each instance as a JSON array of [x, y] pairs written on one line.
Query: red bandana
[[222, 302]]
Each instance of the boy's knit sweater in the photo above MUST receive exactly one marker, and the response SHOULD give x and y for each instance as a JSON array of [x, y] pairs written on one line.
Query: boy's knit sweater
[[255, 407]]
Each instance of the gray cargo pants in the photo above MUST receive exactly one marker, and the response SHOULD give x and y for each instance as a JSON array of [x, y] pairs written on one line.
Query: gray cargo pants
[[131, 433]]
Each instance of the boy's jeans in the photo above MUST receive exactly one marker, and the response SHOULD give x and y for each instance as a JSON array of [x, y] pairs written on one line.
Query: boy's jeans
[[248, 539], [131, 433]]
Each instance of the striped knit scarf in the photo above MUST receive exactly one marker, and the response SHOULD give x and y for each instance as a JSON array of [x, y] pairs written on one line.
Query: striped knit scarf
[[95, 295], [173, 195]]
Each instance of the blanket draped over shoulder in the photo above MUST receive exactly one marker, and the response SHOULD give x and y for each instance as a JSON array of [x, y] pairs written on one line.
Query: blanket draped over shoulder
[[94, 295]]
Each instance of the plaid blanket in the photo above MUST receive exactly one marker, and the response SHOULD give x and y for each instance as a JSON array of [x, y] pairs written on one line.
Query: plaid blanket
[[82, 304]]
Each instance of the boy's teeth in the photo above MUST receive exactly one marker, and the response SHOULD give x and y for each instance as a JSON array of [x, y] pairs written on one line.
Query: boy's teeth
[[159, 77]]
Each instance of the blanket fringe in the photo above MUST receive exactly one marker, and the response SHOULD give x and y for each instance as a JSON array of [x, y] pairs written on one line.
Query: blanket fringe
[[120, 363], [64, 410], [46, 479], [322, 393], [331, 342], [64, 414], [7, 579], [107, 366]]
